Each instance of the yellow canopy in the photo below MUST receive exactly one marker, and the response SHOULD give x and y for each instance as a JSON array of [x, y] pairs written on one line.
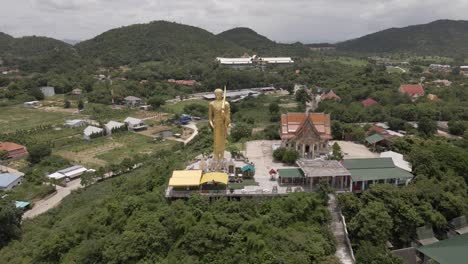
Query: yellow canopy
[[220, 177], [185, 178]]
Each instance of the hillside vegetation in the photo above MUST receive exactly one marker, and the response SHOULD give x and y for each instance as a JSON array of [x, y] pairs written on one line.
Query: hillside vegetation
[[37, 54], [156, 41], [441, 37], [127, 220], [261, 45]]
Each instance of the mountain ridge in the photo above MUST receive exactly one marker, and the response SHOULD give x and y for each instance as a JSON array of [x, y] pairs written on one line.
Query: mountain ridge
[[441, 37]]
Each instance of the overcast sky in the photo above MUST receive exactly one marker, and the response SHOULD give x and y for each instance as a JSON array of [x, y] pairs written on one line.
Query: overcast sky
[[307, 21]]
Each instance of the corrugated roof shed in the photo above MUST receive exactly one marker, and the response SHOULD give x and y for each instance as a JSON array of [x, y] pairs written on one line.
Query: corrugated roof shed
[[449, 251], [185, 178], [220, 177], [291, 173], [7, 178], [375, 169], [374, 138]]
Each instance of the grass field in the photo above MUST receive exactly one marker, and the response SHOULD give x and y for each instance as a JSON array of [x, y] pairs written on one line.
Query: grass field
[[249, 109], [348, 61], [17, 117], [113, 149], [178, 108]]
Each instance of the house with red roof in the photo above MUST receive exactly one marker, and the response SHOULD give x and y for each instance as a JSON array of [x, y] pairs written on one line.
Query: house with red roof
[[330, 96], [308, 133], [369, 102], [413, 90], [183, 82], [14, 150]]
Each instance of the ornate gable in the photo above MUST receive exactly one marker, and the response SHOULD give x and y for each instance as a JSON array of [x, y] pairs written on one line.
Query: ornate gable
[[307, 132]]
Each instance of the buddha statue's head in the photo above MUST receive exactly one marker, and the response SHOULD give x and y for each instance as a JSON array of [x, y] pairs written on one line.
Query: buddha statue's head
[[218, 94]]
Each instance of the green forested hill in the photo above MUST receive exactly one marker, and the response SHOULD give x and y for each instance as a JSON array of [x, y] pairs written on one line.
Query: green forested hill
[[247, 38], [37, 53], [261, 45], [441, 37], [156, 41]]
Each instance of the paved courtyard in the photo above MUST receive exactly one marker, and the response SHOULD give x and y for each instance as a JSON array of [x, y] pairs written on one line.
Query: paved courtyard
[[261, 154], [353, 150]]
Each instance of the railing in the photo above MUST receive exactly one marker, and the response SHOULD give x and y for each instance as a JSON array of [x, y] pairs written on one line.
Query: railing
[[214, 193], [348, 242]]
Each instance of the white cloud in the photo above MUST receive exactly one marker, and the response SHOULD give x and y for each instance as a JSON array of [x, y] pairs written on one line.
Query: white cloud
[[281, 20]]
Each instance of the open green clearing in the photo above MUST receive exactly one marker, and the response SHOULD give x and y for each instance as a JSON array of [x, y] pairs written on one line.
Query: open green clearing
[[112, 149], [178, 108], [17, 117]]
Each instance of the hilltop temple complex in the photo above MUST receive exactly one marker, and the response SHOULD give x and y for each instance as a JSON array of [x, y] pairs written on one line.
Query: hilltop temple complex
[[307, 133]]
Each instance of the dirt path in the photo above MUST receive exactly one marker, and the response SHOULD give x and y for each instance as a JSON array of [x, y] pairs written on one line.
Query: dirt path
[[342, 250], [44, 205]]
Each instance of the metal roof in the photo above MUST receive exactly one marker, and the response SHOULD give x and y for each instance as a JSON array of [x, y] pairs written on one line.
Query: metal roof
[[89, 130], [220, 177], [132, 120], [322, 168], [185, 178], [397, 160], [448, 251], [291, 173], [7, 178], [379, 174], [375, 169], [374, 138], [369, 163], [113, 124]]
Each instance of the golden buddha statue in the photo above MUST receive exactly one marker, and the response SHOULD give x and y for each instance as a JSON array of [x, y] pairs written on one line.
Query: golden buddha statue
[[220, 120]]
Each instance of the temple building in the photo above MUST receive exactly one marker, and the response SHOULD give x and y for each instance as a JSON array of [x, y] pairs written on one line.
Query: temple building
[[308, 133]]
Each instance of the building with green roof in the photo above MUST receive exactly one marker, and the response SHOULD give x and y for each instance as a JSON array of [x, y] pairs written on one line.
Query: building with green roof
[[365, 172], [449, 251]]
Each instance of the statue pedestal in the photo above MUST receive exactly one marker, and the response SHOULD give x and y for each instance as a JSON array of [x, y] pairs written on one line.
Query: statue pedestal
[[217, 165]]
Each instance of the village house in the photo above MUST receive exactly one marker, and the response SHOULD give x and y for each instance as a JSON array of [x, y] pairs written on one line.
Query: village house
[[464, 70], [330, 96], [32, 104], [442, 82], [440, 68], [146, 107], [113, 126], [183, 82], [48, 91], [369, 102], [9, 181], [307, 133], [68, 173], [13, 150], [92, 132], [413, 90], [133, 101], [75, 123], [135, 124]]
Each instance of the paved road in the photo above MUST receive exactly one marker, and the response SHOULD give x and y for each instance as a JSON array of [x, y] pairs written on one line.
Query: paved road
[[44, 205], [342, 250]]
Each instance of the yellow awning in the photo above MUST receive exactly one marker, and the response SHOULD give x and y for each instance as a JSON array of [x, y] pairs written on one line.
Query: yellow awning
[[185, 178], [220, 177]]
